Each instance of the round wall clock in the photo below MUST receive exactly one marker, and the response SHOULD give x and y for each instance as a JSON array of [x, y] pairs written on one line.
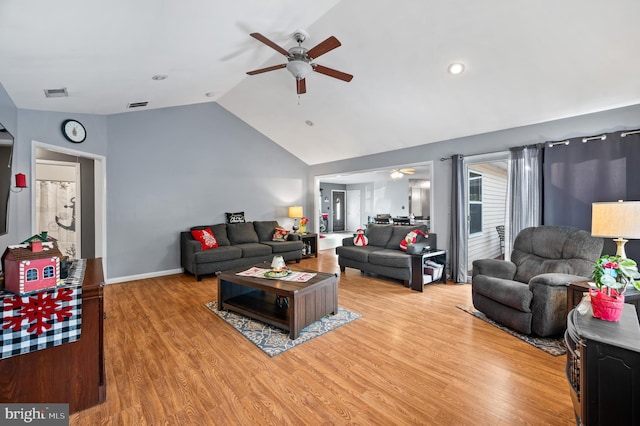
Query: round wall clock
[[74, 131]]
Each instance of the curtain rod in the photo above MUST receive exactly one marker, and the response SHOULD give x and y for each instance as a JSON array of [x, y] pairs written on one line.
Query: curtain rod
[[593, 138]]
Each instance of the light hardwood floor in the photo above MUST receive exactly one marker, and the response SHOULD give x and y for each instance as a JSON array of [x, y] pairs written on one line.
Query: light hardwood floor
[[413, 358]]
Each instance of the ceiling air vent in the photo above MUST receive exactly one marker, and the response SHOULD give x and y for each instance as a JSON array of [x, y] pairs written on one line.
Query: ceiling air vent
[[56, 93], [138, 104]]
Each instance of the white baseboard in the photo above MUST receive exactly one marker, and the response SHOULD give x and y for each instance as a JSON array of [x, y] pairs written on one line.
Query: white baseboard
[[144, 276]]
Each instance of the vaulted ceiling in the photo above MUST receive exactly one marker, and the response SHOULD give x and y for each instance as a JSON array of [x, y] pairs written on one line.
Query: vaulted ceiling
[[526, 62]]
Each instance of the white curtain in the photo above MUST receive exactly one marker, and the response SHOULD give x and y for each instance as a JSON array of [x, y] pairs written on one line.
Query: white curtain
[[525, 189], [55, 213]]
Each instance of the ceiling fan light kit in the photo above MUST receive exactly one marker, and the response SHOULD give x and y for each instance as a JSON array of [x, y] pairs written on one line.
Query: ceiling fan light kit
[[300, 59]]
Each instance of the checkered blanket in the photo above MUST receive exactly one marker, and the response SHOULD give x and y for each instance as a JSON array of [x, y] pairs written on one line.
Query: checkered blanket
[[42, 319]]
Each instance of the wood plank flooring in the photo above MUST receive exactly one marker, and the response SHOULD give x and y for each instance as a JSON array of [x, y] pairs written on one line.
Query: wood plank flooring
[[413, 358]]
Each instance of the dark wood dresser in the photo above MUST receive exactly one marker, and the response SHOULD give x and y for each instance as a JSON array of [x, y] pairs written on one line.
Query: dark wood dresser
[[71, 373], [603, 368]]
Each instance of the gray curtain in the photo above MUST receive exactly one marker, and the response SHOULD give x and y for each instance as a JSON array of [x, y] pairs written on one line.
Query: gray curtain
[[578, 173], [525, 189], [458, 253]]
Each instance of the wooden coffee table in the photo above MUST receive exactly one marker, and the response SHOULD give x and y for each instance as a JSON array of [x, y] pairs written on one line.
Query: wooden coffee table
[[262, 298]]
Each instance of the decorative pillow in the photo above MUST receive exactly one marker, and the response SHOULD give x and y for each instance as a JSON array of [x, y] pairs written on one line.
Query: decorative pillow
[[280, 235], [360, 239], [411, 238], [206, 238], [237, 217]]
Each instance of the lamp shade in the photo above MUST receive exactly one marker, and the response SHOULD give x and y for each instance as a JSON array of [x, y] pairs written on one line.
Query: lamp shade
[[295, 211], [616, 219]]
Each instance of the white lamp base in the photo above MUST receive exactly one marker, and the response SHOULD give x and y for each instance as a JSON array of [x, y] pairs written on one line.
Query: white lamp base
[[620, 242]]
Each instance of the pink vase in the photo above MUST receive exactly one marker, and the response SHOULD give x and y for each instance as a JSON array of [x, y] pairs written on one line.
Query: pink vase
[[606, 307]]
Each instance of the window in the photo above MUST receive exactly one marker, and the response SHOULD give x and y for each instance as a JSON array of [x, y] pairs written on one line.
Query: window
[[32, 274], [48, 272], [475, 202]]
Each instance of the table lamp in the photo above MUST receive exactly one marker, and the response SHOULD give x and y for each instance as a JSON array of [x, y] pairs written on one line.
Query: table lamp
[[618, 220], [296, 213]]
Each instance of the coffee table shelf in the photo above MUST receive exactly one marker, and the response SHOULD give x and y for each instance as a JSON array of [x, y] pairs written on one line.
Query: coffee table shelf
[[261, 306]]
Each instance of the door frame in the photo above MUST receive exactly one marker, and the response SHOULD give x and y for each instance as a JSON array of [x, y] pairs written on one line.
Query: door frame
[[100, 190]]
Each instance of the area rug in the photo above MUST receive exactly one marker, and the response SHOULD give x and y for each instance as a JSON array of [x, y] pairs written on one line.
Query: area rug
[[274, 341], [552, 346]]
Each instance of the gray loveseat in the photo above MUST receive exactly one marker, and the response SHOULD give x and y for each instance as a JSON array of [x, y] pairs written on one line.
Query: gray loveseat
[[529, 293], [239, 244], [382, 255]]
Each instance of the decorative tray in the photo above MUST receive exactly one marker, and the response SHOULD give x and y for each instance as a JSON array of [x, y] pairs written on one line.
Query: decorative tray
[[277, 274]]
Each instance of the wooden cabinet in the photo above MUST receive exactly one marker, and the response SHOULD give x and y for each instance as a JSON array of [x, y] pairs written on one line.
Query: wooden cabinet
[[71, 373], [603, 368]]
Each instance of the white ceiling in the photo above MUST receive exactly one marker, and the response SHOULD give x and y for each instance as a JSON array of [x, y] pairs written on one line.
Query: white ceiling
[[527, 62]]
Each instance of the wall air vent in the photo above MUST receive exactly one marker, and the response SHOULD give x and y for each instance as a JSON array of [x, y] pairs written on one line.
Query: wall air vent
[[56, 93], [138, 104]]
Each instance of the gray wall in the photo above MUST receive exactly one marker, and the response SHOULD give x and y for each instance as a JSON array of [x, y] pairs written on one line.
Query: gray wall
[[167, 170], [590, 124], [173, 168], [9, 119]]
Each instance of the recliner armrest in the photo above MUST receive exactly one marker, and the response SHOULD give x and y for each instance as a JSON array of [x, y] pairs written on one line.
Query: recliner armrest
[[555, 279], [494, 268]]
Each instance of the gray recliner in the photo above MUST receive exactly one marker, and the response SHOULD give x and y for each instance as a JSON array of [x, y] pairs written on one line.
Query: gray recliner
[[529, 293]]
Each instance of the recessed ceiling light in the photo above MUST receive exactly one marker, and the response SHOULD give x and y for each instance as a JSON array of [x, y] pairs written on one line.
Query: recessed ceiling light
[[456, 68], [159, 77]]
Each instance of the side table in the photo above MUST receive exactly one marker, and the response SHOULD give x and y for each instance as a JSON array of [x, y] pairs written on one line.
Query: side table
[[576, 290], [310, 242], [418, 263]]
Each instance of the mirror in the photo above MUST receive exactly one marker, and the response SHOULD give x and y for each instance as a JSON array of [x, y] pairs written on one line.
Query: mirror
[[6, 156]]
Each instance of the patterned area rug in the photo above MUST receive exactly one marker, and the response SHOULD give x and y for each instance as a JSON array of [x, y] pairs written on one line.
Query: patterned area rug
[[552, 346], [273, 341]]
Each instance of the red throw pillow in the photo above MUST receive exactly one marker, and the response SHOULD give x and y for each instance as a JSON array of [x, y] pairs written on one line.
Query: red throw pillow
[[206, 238], [280, 235]]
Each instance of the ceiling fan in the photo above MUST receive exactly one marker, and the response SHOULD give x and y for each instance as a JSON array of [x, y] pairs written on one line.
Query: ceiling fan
[[300, 59], [398, 173]]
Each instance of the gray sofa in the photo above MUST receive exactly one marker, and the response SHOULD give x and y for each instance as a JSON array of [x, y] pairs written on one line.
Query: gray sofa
[[382, 255], [529, 293], [239, 244]]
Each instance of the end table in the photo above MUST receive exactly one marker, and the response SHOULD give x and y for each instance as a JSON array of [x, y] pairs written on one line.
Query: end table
[[310, 241], [418, 263]]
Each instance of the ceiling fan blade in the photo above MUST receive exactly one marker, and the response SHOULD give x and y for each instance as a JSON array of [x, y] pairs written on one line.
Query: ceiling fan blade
[[261, 70], [332, 73], [324, 47], [301, 86], [269, 43]]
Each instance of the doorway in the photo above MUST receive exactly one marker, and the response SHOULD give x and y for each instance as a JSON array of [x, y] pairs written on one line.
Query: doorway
[[58, 204], [338, 204], [90, 203]]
